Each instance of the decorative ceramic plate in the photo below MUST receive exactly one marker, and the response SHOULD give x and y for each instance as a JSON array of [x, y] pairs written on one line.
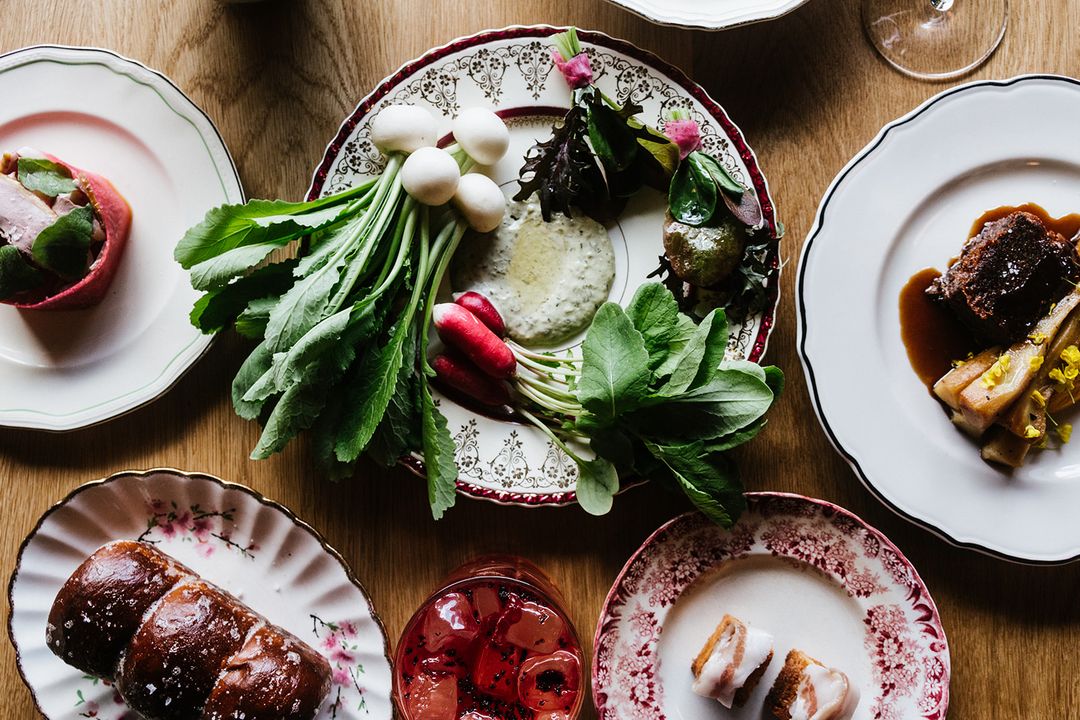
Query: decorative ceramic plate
[[511, 71], [708, 14], [115, 117], [907, 202], [233, 537], [812, 574]]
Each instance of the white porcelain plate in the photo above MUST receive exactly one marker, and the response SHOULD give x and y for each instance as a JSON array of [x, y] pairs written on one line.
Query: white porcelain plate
[[511, 71], [233, 537], [907, 202], [810, 573], [117, 118], [709, 14]]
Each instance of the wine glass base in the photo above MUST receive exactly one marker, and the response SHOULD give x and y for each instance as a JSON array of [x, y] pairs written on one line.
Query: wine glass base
[[935, 39]]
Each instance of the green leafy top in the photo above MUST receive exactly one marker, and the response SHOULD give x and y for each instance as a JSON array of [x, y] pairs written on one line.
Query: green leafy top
[[658, 399], [45, 176]]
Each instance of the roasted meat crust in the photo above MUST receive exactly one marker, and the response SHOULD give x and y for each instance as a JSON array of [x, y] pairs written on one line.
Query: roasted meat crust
[[1007, 276]]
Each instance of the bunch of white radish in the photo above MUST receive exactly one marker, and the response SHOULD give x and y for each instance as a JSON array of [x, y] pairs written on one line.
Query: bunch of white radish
[[343, 330], [433, 176]]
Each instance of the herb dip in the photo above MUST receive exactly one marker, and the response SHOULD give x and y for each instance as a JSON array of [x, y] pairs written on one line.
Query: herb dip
[[547, 279]]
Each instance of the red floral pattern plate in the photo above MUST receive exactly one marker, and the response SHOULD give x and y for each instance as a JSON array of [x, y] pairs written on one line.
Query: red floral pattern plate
[[812, 574], [511, 71], [233, 537]]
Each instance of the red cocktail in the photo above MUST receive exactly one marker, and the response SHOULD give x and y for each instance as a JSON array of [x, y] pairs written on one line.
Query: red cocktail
[[491, 644]]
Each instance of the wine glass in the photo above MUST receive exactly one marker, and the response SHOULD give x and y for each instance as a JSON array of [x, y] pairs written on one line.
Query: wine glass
[[935, 39]]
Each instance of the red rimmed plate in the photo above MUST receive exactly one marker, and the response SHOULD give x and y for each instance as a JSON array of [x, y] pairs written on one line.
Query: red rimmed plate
[[511, 71], [812, 574]]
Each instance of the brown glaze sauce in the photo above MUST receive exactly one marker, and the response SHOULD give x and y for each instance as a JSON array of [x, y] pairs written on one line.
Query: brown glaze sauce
[[932, 336]]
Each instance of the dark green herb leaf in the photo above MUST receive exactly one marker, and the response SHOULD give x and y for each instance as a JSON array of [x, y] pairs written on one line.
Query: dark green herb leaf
[[367, 399], [613, 445], [233, 238], [16, 273], [439, 448], [296, 410], [736, 438], [774, 378], [701, 357], [396, 434], [718, 173], [45, 176], [710, 481], [323, 432], [64, 246], [655, 313], [656, 144], [219, 308], [729, 402], [251, 323], [692, 195], [254, 367], [612, 139], [615, 365]]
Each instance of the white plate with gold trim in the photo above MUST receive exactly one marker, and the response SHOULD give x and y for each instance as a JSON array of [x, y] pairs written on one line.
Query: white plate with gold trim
[[510, 70]]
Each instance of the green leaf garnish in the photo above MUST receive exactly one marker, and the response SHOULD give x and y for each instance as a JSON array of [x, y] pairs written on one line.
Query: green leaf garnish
[[64, 246], [17, 274], [615, 365], [45, 176], [597, 484], [693, 195]]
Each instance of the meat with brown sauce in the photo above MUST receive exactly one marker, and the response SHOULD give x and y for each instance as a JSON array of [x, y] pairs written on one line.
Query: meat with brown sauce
[[1007, 276]]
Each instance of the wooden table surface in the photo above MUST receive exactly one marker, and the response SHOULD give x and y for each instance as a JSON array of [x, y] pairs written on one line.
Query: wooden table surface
[[808, 91]]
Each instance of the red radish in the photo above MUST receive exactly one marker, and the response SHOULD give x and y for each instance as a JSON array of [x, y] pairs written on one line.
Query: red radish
[[482, 308], [461, 329], [457, 372]]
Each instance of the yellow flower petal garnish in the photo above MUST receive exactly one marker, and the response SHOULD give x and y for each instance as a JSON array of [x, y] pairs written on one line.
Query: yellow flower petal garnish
[[1057, 376], [1064, 432], [1036, 362], [995, 372], [1071, 355], [1037, 337], [1030, 432], [1039, 398], [1071, 372]]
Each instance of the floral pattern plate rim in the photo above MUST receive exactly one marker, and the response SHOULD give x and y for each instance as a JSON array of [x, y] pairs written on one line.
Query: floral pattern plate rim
[[233, 537], [511, 71], [904, 644]]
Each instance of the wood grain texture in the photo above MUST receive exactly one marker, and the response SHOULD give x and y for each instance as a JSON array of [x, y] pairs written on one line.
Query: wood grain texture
[[808, 91]]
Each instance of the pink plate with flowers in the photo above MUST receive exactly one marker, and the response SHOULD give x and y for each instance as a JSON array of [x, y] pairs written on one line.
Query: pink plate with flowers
[[810, 573], [233, 537]]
